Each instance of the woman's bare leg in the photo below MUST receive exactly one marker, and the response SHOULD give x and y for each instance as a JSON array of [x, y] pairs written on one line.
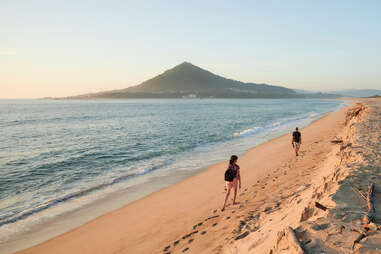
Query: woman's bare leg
[[235, 194], [226, 199]]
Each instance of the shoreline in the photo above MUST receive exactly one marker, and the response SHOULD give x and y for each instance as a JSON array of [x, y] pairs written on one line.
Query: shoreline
[[73, 219], [187, 184]]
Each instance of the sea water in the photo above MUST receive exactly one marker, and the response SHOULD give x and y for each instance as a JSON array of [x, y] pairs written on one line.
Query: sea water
[[57, 156]]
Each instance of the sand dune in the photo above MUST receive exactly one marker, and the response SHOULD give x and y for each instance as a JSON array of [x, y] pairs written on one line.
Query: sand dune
[[276, 209], [327, 214]]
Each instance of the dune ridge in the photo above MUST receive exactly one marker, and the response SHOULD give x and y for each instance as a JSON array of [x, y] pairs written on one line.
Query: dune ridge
[[335, 218]]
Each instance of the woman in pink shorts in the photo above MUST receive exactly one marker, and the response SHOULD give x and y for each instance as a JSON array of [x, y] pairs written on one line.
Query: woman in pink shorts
[[232, 175]]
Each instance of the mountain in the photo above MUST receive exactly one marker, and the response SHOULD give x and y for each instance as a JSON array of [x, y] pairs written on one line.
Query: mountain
[[301, 91], [189, 81], [316, 94], [358, 92]]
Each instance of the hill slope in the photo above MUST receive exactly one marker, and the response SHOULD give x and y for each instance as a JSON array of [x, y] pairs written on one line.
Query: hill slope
[[358, 92], [187, 79]]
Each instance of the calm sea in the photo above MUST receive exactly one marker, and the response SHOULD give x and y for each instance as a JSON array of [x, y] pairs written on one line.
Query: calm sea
[[57, 156]]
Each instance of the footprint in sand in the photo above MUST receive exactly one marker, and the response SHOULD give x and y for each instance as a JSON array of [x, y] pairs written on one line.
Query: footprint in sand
[[186, 236], [184, 250], [228, 217], [203, 232], [212, 217], [267, 210], [176, 243], [167, 248], [215, 224], [242, 235], [190, 241]]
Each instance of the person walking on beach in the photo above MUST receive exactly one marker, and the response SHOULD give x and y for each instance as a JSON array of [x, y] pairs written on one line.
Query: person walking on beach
[[296, 140], [232, 176]]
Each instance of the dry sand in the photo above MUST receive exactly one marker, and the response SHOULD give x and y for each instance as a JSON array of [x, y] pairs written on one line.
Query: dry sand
[[278, 191]]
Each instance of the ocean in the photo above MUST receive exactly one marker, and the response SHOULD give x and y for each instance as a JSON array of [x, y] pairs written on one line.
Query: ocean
[[59, 156]]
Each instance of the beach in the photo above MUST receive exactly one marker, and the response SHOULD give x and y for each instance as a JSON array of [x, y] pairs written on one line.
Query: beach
[[277, 190], [123, 125]]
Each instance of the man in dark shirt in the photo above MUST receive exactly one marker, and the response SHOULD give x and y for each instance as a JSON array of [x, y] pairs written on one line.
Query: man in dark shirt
[[296, 140]]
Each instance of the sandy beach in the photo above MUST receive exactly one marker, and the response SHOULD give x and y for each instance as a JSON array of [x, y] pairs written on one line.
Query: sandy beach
[[340, 154]]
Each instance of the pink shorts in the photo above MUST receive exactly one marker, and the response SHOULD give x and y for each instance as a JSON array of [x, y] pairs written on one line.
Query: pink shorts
[[232, 184]]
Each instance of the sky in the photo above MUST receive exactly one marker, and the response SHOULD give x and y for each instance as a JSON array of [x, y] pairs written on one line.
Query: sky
[[63, 48]]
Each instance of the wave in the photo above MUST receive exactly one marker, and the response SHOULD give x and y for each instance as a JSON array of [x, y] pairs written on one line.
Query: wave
[[80, 193], [278, 124], [45, 120], [247, 132]]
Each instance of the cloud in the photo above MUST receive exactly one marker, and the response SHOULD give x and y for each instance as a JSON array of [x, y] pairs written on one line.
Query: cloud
[[7, 52]]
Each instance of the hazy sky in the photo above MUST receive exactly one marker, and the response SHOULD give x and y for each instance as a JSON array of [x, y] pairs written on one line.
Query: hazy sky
[[61, 48]]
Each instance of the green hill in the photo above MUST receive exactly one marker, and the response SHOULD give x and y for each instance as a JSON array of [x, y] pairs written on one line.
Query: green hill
[[189, 81]]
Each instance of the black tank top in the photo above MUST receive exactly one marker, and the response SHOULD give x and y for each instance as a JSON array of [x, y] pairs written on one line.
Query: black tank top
[[296, 136]]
